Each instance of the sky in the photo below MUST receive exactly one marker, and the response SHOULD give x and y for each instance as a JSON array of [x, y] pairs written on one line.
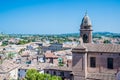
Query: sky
[[58, 16]]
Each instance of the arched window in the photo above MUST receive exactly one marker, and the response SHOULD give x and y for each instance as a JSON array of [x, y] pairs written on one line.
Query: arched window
[[85, 38]]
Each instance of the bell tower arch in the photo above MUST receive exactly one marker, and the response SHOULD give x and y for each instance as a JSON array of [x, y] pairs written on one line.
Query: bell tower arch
[[86, 29]]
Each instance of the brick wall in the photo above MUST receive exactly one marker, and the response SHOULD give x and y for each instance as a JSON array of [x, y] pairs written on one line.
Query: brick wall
[[78, 65], [101, 62]]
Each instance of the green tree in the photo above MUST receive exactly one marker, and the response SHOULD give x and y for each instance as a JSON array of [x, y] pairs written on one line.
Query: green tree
[[106, 41], [4, 43], [33, 74], [60, 62], [21, 50], [56, 78], [10, 55], [22, 42]]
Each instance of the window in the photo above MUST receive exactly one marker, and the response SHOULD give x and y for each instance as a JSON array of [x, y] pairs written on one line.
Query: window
[[86, 27], [85, 38], [110, 63], [62, 73], [54, 73], [92, 62], [47, 72], [25, 70], [18, 74], [51, 60]]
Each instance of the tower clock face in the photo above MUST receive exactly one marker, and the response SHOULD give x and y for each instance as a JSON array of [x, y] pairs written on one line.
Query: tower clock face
[[85, 38]]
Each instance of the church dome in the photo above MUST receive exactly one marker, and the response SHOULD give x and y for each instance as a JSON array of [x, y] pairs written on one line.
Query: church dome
[[86, 21]]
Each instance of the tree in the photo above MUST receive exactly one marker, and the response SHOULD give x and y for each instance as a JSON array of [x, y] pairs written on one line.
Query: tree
[[60, 62], [33, 74], [106, 41], [21, 50], [30, 75], [56, 78], [22, 42], [4, 43], [10, 55]]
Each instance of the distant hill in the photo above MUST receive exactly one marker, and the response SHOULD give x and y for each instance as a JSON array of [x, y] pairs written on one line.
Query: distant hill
[[107, 34], [95, 34]]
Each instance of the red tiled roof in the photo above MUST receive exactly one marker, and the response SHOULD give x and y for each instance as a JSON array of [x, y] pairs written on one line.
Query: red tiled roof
[[115, 48], [59, 68], [50, 55], [25, 54]]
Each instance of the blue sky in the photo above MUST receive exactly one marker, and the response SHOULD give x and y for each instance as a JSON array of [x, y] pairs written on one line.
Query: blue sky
[[58, 16]]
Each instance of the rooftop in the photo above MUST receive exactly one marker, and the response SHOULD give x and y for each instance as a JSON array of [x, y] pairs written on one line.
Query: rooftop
[[90, 47], [50, 55], [35, 66], [63, 68], [7, 66]]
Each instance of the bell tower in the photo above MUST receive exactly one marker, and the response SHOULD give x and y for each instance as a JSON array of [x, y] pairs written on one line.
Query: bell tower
[[86, 29]]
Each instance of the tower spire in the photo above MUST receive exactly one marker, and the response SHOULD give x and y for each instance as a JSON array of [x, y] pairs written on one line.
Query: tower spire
[[86, 29]]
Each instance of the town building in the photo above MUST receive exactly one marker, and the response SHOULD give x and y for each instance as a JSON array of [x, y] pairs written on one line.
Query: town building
[[24, 67], [8, 70], [92, 61], [53, 47], [63, 72], [51, 58]]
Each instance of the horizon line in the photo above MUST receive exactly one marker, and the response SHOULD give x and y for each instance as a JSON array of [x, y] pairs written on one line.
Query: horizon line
[[56, 33]]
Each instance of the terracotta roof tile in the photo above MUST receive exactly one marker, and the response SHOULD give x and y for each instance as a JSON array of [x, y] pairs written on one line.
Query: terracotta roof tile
[[7, 66], [50, 55], [59, 68], [115, 48]]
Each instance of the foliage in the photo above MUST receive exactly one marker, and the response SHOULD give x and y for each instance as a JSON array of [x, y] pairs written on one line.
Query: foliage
[[106, 41], [21, 50], [60, 62], [10, 55], [4, 43], [97, 36], [22, 42], [33, 74], [60, 38]]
